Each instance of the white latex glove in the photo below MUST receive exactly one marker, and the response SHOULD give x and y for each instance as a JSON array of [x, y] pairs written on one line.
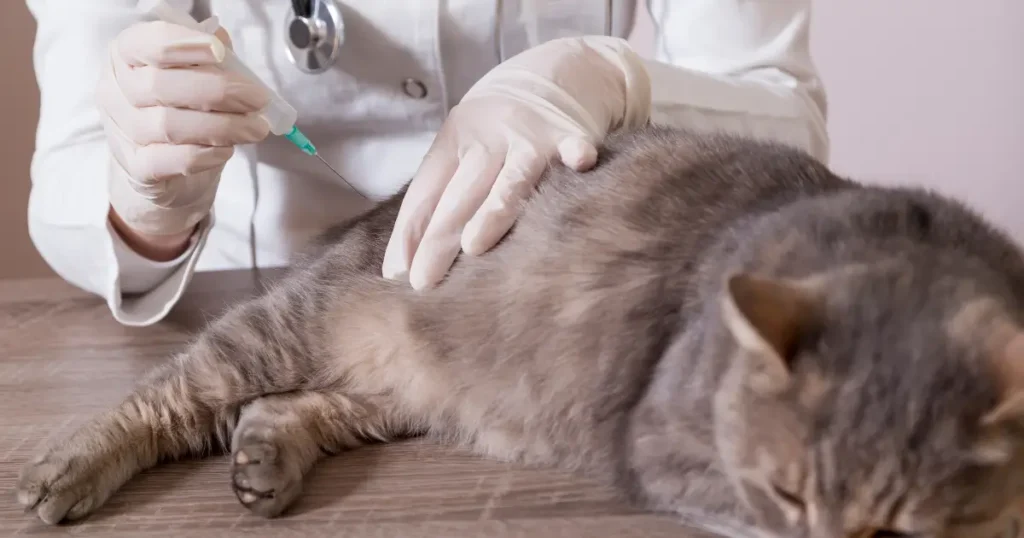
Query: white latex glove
[[172, 118], [560, 98]]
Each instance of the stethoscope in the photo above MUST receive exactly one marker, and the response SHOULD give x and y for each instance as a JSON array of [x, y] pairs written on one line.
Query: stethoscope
[[315, 31]]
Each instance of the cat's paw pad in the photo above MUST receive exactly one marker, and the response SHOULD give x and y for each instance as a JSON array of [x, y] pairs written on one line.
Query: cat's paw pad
[[263, 478], [60, 488]]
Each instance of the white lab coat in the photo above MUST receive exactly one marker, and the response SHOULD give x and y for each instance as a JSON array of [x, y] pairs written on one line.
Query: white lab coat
[[738, 65]]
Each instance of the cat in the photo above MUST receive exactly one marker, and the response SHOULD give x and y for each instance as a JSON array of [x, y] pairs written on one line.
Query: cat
[[722, 328]]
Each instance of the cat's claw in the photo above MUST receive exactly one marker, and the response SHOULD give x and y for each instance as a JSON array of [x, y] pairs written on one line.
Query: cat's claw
[[264, 480], [57, 490]]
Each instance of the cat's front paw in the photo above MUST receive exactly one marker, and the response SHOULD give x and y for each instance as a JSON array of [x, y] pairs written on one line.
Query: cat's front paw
[[264, 475], [63, 484]]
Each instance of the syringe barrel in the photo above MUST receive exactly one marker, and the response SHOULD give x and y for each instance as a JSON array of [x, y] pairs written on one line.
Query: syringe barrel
[[279, 114]]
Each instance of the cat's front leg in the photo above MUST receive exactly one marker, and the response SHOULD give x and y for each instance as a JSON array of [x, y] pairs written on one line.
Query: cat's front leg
[[185, 407], [72, 478], [280, 437], [161, 419]]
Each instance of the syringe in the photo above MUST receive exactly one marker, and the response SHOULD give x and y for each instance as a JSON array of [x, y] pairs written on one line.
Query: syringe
[[279, 114]]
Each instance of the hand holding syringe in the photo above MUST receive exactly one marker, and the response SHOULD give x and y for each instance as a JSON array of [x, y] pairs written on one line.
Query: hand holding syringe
[[280, 115]]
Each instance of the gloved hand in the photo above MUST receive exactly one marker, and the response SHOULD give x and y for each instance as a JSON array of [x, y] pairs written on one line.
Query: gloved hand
[[172, 118], [560, 98]]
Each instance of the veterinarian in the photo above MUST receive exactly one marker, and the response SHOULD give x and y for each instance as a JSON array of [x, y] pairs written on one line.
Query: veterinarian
[[151, 163]]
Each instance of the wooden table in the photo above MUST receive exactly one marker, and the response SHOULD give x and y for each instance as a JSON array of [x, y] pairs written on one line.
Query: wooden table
[[63, 358]]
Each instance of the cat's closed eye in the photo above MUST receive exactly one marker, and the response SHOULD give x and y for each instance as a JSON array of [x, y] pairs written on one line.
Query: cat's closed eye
[[891, 534], [788, 497]]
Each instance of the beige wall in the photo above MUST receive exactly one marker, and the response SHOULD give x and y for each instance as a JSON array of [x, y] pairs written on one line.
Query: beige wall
[[921, 91], [929, 92], [18, 107]]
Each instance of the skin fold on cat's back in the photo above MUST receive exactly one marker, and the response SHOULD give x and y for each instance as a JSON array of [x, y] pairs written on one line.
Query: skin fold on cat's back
[[667, 322]]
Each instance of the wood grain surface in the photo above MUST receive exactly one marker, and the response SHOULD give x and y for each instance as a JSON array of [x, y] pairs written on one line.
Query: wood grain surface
[[63, 359]]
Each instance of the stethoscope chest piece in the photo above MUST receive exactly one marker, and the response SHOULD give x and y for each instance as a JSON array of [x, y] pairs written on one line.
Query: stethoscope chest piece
[[314, 32]]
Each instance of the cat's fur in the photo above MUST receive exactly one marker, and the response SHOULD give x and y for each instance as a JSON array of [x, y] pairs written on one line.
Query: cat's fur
[[715, 325]]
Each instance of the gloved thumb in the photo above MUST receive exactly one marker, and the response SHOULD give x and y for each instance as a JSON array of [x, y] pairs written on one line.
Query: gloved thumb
[[577, 153]]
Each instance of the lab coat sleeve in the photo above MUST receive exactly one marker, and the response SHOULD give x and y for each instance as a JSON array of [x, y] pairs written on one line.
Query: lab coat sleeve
[[69, 202], [741, 66]]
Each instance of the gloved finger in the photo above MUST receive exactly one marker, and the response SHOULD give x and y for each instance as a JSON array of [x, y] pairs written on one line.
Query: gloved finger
[[461, 199], [522, 170], [159, 162], [206, 88], [212, 26], [418, 206], [223, 36], [181, 126], [175, 125], [162, 44], [155, 125], [577, 153]]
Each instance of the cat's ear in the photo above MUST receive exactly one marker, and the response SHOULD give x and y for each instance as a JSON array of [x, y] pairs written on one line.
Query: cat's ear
[[984, 325], [1006, 355], [767, 317]]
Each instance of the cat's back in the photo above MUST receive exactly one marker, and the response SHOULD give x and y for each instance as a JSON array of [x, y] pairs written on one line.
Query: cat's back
[[662, 192], [672, 194]]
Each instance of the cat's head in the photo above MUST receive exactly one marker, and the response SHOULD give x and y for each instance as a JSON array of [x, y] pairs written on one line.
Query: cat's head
[[873, 403]]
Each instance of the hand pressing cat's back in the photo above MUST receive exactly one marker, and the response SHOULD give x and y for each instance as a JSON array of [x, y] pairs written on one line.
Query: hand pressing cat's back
[[723, 328]]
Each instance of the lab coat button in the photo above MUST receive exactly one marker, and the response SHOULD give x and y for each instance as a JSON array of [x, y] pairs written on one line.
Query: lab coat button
[[414, 88]]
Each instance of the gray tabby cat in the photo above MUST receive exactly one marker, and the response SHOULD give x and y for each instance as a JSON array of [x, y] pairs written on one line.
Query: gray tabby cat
[[723, 328]]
